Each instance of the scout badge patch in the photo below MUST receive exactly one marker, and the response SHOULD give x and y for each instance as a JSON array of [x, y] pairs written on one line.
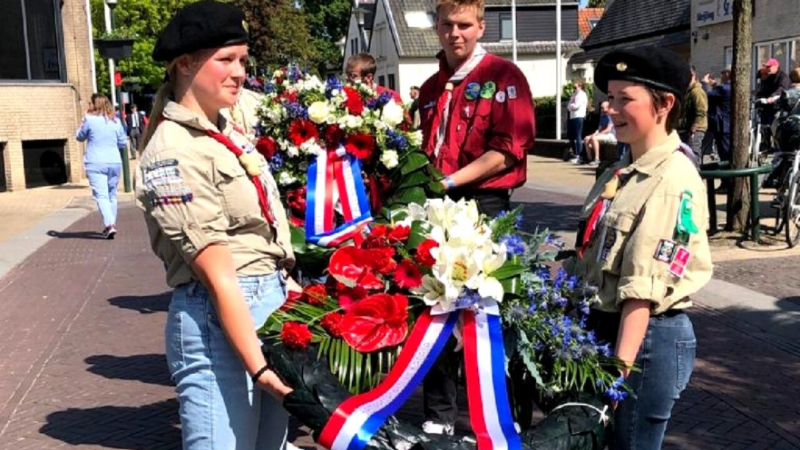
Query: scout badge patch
[[512, 92], [665, 250], [685, 226], [680, 261], [488, 90], [472, 91], [500, 96]]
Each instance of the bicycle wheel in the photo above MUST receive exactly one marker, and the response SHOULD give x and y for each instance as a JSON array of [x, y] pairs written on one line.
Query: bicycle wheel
[[791, 212]]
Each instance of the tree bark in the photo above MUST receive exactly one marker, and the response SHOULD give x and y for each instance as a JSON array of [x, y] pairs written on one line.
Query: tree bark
[[740, 111]]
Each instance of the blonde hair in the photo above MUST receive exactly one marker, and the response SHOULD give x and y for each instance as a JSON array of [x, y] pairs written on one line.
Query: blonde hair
[[162, 97], [101, 106], [479, 6]]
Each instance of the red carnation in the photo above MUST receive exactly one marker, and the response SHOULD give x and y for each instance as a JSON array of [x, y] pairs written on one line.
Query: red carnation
[[379, 231], [266, 146], [407, 275], [354, 103], [334, 136], [301, 131], [296, 335], [400, 233], [360, 145], [424, 257], [315, 294], [381, 259], [332, 323], [296, 200]]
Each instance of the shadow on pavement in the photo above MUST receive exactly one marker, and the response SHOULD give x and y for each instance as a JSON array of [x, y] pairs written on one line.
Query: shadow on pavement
[[548, 215], [148, 427], [76, 235], [147, 304], [151, 368]]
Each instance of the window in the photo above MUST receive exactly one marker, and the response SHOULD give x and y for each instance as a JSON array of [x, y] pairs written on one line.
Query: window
[[31, 50], [593, 23], [381, 80], [391, 81], [354, 46], [506, 33]]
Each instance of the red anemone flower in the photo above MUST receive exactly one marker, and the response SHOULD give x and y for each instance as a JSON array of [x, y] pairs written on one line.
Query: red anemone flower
[[360, 145], [301, 131]]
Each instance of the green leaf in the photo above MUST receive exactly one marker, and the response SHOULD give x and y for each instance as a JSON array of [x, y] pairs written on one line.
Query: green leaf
[[411, 195], [419, 233], [435, 187], [414, 161], [511, 286], [526, 351], [417, 178], [508, 270]]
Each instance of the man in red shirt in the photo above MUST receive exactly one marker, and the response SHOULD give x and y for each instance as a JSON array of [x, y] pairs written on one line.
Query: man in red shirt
[[362, 68], [478, 124]]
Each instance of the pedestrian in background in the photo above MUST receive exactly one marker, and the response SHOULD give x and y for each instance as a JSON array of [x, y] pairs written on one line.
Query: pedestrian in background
[[642, 242], [694, 117], [215, 219], [604, 134], [577, 114], [719, 114], [105, 139], [135, 120]]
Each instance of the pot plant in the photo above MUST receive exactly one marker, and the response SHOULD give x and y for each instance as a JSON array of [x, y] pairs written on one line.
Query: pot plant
[[117, 44]]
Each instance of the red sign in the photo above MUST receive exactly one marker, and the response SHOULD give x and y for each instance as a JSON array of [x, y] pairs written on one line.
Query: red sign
[[117, 79]]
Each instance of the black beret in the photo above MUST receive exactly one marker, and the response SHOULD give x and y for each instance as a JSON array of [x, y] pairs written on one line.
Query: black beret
[[201, 25], [655, 67]]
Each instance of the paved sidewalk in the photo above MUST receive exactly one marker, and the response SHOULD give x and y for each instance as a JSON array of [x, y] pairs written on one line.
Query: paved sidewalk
[[82, 360]]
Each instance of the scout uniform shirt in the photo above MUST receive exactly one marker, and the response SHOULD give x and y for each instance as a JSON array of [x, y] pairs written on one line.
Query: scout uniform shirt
[[195, 193], [492, 109], [651, 244]]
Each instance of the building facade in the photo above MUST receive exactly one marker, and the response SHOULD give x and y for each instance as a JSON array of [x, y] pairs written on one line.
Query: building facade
[[45, 84], [775, 34]]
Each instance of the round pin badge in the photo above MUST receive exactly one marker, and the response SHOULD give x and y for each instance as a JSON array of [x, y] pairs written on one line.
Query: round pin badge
[[472, 91], [500, 96], [488, 90]]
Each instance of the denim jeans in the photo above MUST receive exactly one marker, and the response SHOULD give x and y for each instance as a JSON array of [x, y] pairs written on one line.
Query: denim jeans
[[104, 178], [575, 135], [665, 362], [220, 409]]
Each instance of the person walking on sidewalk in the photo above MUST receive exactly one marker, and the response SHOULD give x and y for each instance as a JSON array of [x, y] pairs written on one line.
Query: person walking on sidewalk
[[694, 117], [577, 114], [477, 124], [643, 242], [136, 122], [215, 219], [105, 139]]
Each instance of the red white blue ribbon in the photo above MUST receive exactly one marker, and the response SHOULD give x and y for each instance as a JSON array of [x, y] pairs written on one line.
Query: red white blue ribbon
[[332, 174], [358, 418]]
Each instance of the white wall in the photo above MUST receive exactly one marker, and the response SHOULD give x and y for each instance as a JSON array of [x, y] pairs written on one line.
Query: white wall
[[352, 33], [540, 70], [414, 72], [383, 47]]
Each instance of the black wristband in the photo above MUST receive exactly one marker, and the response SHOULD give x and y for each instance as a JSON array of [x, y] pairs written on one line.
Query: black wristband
[[258, 374]]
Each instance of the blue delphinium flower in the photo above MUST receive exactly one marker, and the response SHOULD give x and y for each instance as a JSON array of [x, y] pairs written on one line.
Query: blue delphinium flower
[[583, 307], [560, 301], [295, 74], [372, 104], [514, 244], [532, 308], [614, 393], [572, 282], [561, 277], [396, 140], [468, 298], [269, 87], [296, 111], [551, 239], [275, 163], [543, 273], [604, 350], [385, 98]]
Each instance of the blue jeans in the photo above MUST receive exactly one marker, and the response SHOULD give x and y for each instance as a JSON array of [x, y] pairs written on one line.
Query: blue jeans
[[220, 409], [104, 178], [575, 135]]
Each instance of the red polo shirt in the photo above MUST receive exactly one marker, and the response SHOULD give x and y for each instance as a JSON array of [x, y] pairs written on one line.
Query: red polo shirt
[[503, 122]]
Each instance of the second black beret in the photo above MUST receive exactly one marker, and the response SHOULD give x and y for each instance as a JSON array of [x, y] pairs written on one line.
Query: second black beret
[[201, 25], [655, 67]]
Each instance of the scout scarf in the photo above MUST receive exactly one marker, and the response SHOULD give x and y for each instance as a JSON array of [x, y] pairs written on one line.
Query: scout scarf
[[250, 165], [439, 124]]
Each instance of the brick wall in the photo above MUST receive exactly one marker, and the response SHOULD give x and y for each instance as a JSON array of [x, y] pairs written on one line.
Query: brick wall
[[37, 111]]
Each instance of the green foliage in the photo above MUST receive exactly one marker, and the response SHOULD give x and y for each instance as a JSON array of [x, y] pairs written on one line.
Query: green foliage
[[327, 22], [597, 4], [279, 33]]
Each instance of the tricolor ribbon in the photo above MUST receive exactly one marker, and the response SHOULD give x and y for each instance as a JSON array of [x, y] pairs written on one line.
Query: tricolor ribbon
[[358, 418], [335, 174]]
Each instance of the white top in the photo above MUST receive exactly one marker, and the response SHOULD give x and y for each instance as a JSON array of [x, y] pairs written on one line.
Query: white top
[[577, 105]]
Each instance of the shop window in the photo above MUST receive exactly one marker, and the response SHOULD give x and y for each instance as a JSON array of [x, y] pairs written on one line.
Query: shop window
[[32, 49], [44, 163]]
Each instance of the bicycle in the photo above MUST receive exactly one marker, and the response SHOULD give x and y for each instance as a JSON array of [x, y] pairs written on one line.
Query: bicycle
[[786, 136]]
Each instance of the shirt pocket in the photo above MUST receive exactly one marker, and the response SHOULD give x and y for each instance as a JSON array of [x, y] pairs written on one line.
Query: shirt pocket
[[239, 198], [616, 229]]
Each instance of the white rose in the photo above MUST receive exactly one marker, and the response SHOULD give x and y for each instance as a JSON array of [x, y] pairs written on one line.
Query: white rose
[[318, 112], [285, 179], [389, 158], [415, 138], [393, 114], [278, 74], [292, 151]]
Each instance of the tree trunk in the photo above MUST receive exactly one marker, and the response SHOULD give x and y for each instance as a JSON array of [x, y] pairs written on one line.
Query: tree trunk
[[740, 111]]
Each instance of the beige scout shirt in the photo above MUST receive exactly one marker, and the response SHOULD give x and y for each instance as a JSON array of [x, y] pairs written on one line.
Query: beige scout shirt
[[194, 192], [621, 260]]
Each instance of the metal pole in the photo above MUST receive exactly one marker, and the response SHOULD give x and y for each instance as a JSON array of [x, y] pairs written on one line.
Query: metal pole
[[91, 45], [514, 31], [558, 69], [107, 17]]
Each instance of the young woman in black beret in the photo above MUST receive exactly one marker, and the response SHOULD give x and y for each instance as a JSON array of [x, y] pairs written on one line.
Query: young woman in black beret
[[643, 244], [215, 220]]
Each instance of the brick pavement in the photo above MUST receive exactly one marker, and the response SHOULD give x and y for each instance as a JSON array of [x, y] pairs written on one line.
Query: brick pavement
[[772, 276], [82, 364]]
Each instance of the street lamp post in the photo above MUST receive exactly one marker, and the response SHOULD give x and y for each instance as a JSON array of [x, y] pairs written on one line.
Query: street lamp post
[[361, 21], [110, 24]]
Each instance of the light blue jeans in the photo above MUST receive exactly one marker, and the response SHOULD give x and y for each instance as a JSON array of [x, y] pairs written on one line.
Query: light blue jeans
[[220, 409], [104, 178]]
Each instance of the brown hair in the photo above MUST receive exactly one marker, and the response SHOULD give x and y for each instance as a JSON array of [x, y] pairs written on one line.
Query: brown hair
[[794, 75], [479, 6], [660, 101], [365, 62], [101, 106]]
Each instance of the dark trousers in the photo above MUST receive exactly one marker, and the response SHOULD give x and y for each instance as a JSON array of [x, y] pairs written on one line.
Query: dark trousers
[[665, 362], [440, 386], [723, 141], [575, 135]]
